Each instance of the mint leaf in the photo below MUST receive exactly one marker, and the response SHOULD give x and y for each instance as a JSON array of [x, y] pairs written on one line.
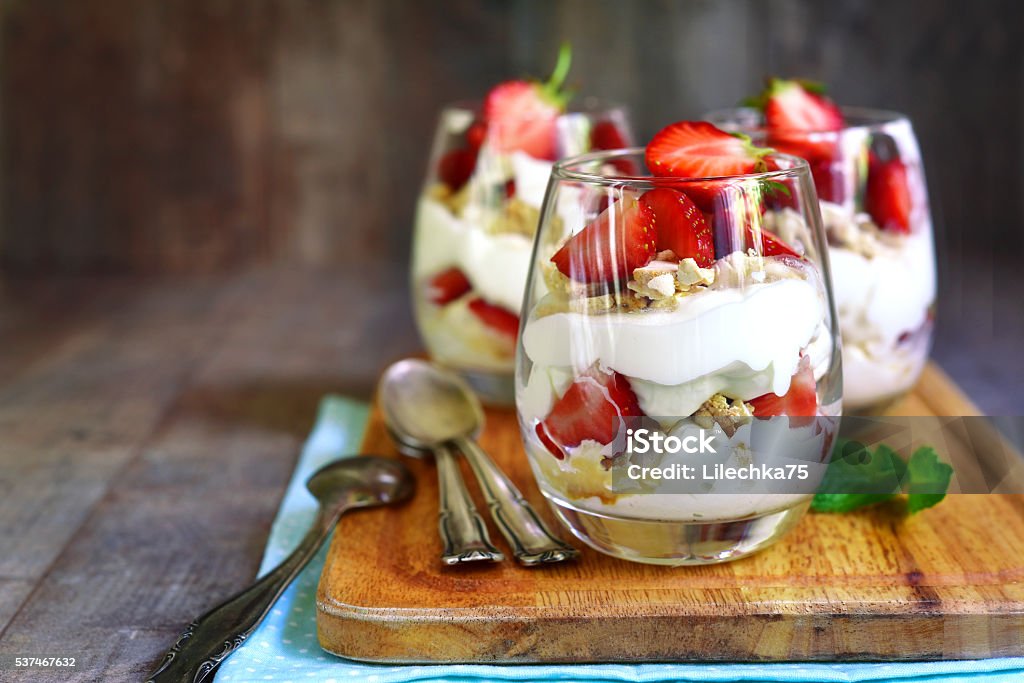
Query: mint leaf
[[929, 479], [857, 477]]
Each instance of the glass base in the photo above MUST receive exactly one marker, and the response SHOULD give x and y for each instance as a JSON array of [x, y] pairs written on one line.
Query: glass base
[[675, 543], [495, 389]]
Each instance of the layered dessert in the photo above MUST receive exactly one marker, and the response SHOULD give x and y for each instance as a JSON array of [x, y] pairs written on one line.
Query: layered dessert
[[478, 214], [672, 302], [868, 175]]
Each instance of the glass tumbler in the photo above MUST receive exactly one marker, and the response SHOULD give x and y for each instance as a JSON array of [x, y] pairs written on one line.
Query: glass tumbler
[[722, 329], [874, 206], [474, 230]]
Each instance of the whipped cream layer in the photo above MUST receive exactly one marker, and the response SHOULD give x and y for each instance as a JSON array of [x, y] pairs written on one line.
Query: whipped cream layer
[[741, 342], [497, 265], [879, 297]]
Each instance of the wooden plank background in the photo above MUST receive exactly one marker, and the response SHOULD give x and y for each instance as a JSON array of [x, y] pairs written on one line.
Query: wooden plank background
[[194, 135], [197, 136]]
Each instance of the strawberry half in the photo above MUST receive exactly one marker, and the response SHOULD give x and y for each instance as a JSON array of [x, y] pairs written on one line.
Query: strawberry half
[[495, 317], [791, 105], [680, 226], [447, 286], [588, 410], [456, 167], [620, 239], [800, 403], [697, 149], [887, 195], [606, 135], [522, 115]]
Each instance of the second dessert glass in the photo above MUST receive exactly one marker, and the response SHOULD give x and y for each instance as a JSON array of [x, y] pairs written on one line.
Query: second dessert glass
[[874, 205], [475, 223], [738, 340]]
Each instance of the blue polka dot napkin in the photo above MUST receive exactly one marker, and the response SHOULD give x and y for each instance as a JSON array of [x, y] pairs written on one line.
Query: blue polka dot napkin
[[285, 649]]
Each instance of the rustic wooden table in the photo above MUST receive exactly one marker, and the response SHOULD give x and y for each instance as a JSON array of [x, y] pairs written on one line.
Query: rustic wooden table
[[148, 431]]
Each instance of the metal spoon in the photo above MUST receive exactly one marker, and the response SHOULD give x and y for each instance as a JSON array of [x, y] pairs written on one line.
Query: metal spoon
[[408, 407], [434, 409], [343, 485]]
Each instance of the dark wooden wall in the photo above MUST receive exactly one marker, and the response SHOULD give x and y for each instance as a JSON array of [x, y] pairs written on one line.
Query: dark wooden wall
[[199, 135]]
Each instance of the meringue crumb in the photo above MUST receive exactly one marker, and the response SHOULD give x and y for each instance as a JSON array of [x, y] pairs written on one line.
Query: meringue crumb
[[728, 414], [690, 275], [654, 281], [517, 217]]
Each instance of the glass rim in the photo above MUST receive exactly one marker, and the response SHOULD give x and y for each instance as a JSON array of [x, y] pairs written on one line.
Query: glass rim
[[562, 170], [591, 104], [857, 118]]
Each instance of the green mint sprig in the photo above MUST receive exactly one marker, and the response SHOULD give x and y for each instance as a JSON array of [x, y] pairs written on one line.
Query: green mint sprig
[[858, 477]]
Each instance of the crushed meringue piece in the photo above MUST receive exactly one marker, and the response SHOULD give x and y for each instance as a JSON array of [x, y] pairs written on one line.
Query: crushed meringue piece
[[516, 217], [728, 414], [655, 281], [690, 275]]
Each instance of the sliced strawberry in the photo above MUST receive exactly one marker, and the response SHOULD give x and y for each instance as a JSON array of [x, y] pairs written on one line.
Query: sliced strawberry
[[697, 149], [769, 244], [447, 286], [738, 223], [497, 318], [887, 195], [588, 410], [476, 134], [606, 135], [522, 115], [520, 119], [456, 167], [829, 180], [794, 106], [510, 188], [620, 239], [680, 225], [801, 401]]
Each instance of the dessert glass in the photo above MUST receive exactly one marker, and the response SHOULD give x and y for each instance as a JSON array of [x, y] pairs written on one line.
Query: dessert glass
[[744, 347], [473, 236], [883, 269]]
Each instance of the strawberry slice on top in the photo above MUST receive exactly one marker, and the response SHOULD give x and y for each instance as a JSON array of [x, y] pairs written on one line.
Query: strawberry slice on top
[[621, 238], [680, 226], [589, 409], [697, 149], [522, 115], [794, 105]]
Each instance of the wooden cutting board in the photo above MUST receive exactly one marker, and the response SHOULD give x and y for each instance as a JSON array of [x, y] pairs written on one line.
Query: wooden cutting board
[[944, 584]]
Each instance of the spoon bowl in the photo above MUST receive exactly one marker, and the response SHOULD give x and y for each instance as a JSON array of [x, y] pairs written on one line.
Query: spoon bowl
[[426, 406], [362, 481]]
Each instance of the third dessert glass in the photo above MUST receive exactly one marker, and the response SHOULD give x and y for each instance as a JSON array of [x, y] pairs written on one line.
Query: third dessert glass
[[663, 301], [479, 211], [874, 205]]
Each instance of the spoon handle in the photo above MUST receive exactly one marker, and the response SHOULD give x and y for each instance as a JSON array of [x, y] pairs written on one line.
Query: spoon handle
[[462, 529], [531, 540], [212, 637]]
